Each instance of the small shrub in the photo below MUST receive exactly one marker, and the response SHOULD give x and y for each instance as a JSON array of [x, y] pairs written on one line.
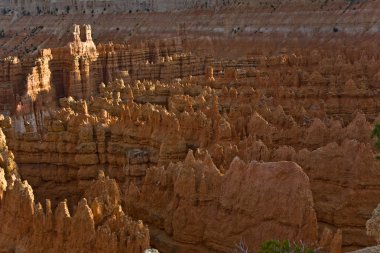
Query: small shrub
[[276, 246]]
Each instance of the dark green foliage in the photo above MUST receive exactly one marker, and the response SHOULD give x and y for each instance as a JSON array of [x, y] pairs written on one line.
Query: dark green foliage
[[376, 136], [276, 246]]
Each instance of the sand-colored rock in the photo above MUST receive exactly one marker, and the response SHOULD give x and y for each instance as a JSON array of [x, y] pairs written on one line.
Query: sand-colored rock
[[373, 225], [372, 230]]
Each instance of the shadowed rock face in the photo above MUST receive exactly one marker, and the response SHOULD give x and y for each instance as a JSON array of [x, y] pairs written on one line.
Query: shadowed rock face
[[372, 230], [97, 225], [194, 203], [253, 96], [37, 7]]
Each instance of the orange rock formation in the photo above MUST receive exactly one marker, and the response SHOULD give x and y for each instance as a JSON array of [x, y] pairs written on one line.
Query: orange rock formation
[[213, 135], [97, 225]]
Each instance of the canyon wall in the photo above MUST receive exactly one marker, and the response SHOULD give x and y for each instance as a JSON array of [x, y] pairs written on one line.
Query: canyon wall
[[167, 118], [130, 126]]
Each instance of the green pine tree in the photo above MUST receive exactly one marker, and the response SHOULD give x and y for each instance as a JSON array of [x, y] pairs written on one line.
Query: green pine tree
[[376, 136]]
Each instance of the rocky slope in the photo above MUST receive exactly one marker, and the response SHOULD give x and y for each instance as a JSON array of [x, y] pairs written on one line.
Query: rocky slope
[[38, 7], [290, 23]]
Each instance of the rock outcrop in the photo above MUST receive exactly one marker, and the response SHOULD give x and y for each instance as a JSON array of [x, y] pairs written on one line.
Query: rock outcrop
[[373, 224], [194, 203]]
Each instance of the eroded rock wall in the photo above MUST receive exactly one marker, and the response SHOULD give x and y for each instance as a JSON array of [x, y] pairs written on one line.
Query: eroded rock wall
[[97, 225], [121, 133], [194, 203]]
